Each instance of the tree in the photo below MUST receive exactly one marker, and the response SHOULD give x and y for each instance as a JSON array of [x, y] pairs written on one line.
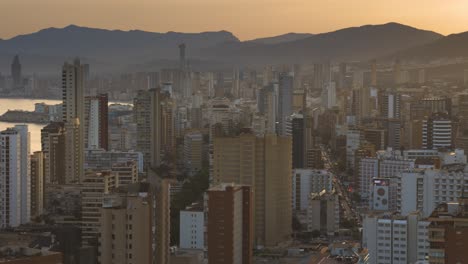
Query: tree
[[192, 191]]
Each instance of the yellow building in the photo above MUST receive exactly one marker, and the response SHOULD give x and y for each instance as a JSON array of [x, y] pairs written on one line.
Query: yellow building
[[125, 227], [265, 163]]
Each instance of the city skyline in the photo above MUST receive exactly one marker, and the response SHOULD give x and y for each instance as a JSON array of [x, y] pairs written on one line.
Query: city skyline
[[242, 18]]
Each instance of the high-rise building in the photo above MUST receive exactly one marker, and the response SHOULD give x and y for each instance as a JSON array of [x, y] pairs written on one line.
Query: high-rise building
[[267, 102], [148, 113], [192, 227], [318, 77], [387, 165], [125, 226], [230, 224], [285, 92], [265, 164], [437, 132], [73, 117], [389, 103], [99, 159], [307, 181], [37, 183], [376, 137], [16, 73], [424, 190], [448, 232], [298, 137], [96, 121], [373, 73], [395, 239], [25, 171], [94, 186], [53, 149], [15, 194], [342, 75], [323, 212], [160, 194], [193, 152]]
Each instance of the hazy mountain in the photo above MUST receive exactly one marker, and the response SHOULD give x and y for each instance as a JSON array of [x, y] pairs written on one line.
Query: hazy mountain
[[356, 43], [109, 46], [45, 50], [281, 38], [451, 46]]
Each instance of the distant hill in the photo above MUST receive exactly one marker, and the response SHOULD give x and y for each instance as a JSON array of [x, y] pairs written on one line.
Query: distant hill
[[108, 46], [451, 46], [109, 50], [281, 38], [356, 43]]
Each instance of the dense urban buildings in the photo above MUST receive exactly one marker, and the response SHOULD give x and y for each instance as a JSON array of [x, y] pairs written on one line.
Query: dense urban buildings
[[255, 155]]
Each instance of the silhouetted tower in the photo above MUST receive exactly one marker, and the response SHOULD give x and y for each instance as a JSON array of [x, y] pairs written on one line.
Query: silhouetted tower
[[182, 56], [374, 73], [16, 72]]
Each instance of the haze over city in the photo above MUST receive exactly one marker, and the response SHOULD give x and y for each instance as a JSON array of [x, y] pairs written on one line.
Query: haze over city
[[233, 132]]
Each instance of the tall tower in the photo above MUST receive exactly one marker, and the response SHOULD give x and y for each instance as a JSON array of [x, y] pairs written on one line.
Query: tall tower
[[230, 224], [265, 164], [96, 121], [148, 116], [285, 93], [16, 72], [182, 62], [25, 172], [73, 117], [14, 197], [374, 73]]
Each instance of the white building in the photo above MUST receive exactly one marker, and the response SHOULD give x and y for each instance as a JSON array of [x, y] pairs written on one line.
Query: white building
[[15, 192], [323, 213], [388, 164], [25, 172], [92, 122], [437, 132], [307, 181], [395, 239], [423, 190], [192, 227]]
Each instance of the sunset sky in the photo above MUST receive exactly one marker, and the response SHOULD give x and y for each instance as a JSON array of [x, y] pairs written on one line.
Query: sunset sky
[[247, 19]]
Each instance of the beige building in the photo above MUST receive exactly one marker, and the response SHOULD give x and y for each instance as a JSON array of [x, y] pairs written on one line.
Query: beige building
[[37, 183], [94, 186], [265, 164], [125, 172], [73, 117], [125, 227]]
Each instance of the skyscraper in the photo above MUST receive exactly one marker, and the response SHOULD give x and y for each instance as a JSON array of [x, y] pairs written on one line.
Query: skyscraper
[[15, 195], [437, 132], [96, 121], [230, 224], [265, 164], [16, 73], [285, 97], [73, 117], [53, 149], [298, 141], [37, 183], [25, 172]]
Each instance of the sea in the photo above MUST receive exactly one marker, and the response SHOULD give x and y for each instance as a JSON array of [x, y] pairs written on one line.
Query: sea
[[26, 105]]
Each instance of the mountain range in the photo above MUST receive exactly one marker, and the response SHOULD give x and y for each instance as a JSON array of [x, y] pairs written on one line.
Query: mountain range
[[106, 50]]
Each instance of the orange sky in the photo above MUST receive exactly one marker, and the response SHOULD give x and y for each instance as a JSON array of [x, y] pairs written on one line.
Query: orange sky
[[247, 19]]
